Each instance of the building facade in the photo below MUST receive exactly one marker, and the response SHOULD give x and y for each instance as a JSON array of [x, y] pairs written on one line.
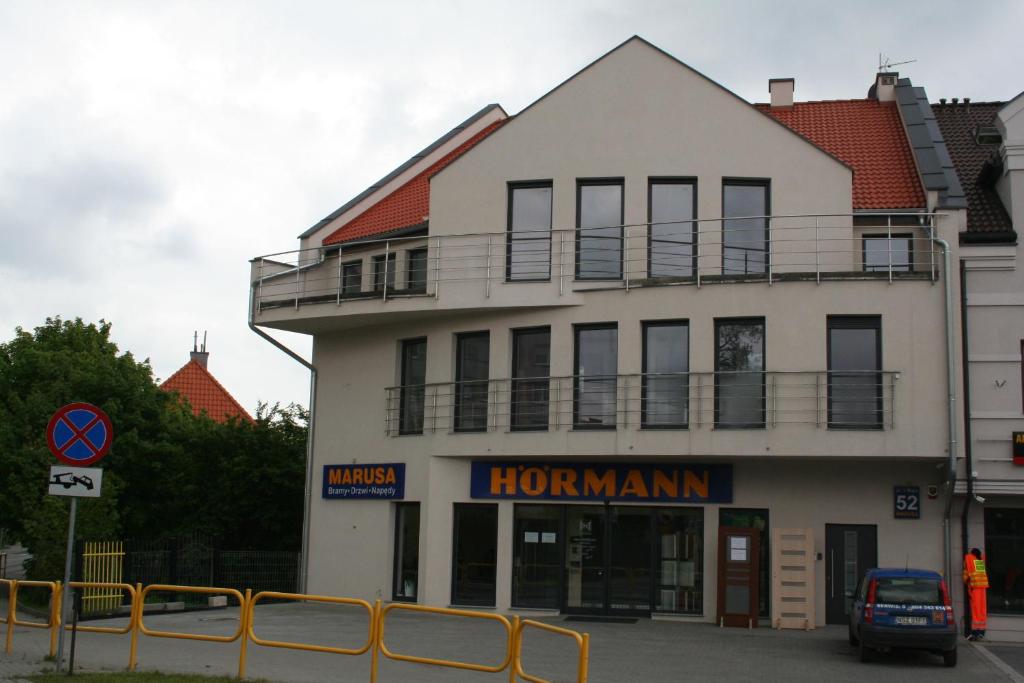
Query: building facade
[[642, 348], [986, 142]]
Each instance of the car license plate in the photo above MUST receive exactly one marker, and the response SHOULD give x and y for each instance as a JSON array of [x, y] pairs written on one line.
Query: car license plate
[[911, 621]]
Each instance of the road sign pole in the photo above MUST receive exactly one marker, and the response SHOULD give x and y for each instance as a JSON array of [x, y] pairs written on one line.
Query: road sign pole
[[65, 602]]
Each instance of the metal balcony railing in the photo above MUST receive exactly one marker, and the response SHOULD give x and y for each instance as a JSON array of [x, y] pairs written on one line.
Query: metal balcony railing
[[692, 400], [889, 247]]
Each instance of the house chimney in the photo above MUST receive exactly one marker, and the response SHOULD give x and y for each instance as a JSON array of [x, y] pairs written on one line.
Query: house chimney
[[885, 86], [781, 90], [199, 354]]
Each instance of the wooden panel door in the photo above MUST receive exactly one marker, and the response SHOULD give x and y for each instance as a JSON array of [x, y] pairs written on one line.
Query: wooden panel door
[[738, 574]]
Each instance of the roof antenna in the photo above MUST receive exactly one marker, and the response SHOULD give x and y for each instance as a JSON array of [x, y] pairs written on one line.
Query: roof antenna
[[204, 341], [886, 63], [195, 341]]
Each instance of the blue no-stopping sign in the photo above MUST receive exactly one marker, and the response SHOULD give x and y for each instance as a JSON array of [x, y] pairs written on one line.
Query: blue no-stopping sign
[[79, 434]]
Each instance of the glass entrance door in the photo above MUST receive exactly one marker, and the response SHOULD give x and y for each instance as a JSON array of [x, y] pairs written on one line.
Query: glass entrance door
[[585, 559], [536, 556], [608, 559]]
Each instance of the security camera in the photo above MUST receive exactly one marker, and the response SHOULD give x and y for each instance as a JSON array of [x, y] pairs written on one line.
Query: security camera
[[980, 499]]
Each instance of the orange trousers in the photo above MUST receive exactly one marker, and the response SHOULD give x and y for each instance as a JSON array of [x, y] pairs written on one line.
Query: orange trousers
[[979, 608]]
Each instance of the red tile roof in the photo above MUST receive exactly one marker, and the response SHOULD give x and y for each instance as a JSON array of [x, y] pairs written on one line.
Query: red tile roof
[[868, 135], [407, 206], [204, 393]]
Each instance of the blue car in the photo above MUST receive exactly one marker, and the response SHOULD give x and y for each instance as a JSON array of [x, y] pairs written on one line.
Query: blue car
[[903, 608]]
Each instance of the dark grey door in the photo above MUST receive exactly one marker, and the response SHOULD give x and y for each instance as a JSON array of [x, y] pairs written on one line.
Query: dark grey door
[[850, 550]]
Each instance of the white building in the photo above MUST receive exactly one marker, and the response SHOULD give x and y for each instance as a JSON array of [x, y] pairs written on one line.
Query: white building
[[617, 353]]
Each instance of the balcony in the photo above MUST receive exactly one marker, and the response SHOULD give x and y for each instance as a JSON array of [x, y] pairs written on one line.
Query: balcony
[[676, 401], [551, 267]]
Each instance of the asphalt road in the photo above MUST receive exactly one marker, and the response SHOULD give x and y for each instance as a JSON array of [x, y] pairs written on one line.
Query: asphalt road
[[644, 651]]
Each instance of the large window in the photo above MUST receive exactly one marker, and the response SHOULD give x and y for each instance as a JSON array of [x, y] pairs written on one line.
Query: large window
[[882, 253], [472, 356], [594, 405], [854, 371], [666, 382], [528, 249], [414, 376], [739, 373], [475, 545], [672, 208], [599, 230], [680, 557], [351, 278], [537, 556], [407, 552], [384, 272], [531, 371], [416, 270], [1004, 559], [745, 207]]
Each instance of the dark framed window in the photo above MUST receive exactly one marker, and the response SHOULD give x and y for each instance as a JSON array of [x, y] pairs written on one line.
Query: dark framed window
[[474, 554], [855, 372], [739, 373], [416, 270], [880, 253], [407, 552], [384, 272], [472, 360], [1004, 559], [531, 378], [351, 278], [746, 205], [666, 381], [528, 239], [413, 391], [680, 558], [537, 563], [595, 376], [671, 239], [599, 218]]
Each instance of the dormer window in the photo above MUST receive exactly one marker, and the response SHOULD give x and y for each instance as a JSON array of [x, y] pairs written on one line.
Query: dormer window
[[987, 134]]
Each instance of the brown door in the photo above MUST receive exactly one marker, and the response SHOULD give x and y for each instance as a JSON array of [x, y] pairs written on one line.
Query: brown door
[[739, 553]]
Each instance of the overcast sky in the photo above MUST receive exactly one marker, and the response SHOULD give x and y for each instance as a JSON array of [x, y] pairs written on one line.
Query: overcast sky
[[148, 150]]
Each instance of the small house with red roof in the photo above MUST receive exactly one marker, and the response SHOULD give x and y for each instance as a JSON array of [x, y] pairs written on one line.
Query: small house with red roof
[[195, 384], [642, 348]]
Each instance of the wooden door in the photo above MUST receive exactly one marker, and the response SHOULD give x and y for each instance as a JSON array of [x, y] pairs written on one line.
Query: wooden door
[[739, 555]]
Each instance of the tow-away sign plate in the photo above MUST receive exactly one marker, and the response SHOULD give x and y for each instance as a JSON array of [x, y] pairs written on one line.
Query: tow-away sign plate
[[80, 482]]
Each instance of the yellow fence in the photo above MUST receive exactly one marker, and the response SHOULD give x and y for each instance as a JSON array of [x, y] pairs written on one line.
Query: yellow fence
[[246, 632], [102, 564]]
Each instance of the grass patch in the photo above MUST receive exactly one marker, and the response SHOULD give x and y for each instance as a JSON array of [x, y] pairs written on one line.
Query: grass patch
[[134, 677]]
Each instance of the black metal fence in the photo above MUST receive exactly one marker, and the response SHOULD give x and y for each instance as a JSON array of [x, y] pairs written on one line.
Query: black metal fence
[[199, 560]]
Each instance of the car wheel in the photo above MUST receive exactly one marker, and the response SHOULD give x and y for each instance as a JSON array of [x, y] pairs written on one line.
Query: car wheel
[[864, 651], [949, 657]]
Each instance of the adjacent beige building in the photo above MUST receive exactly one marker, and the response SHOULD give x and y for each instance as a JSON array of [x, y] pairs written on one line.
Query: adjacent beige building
[[614, 354]]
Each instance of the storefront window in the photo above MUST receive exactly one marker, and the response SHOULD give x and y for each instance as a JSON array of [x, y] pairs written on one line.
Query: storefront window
[[476, 552], [746, 518], [407, 551], [1004, 559], [537, 556], [680, 568]]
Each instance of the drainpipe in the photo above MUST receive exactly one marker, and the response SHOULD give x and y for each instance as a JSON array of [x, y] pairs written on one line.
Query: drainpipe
[[304, 557], [951, 417], [964, 540]]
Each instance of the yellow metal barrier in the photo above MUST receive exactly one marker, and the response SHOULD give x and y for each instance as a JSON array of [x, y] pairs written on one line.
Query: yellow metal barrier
[[582, 641], [8, 617], [371, 613], [53, 621], [102, 571], [99, 585], [509, 630]]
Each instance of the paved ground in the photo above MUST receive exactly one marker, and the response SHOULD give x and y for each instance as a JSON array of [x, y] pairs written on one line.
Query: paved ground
[[645, 651]]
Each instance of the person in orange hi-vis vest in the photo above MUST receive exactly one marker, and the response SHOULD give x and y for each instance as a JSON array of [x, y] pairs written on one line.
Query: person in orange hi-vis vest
[[976, 580]]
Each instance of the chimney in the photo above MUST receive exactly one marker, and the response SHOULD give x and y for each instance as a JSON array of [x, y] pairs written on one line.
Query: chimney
[[781, 90], [199, 354], [885, 86]]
